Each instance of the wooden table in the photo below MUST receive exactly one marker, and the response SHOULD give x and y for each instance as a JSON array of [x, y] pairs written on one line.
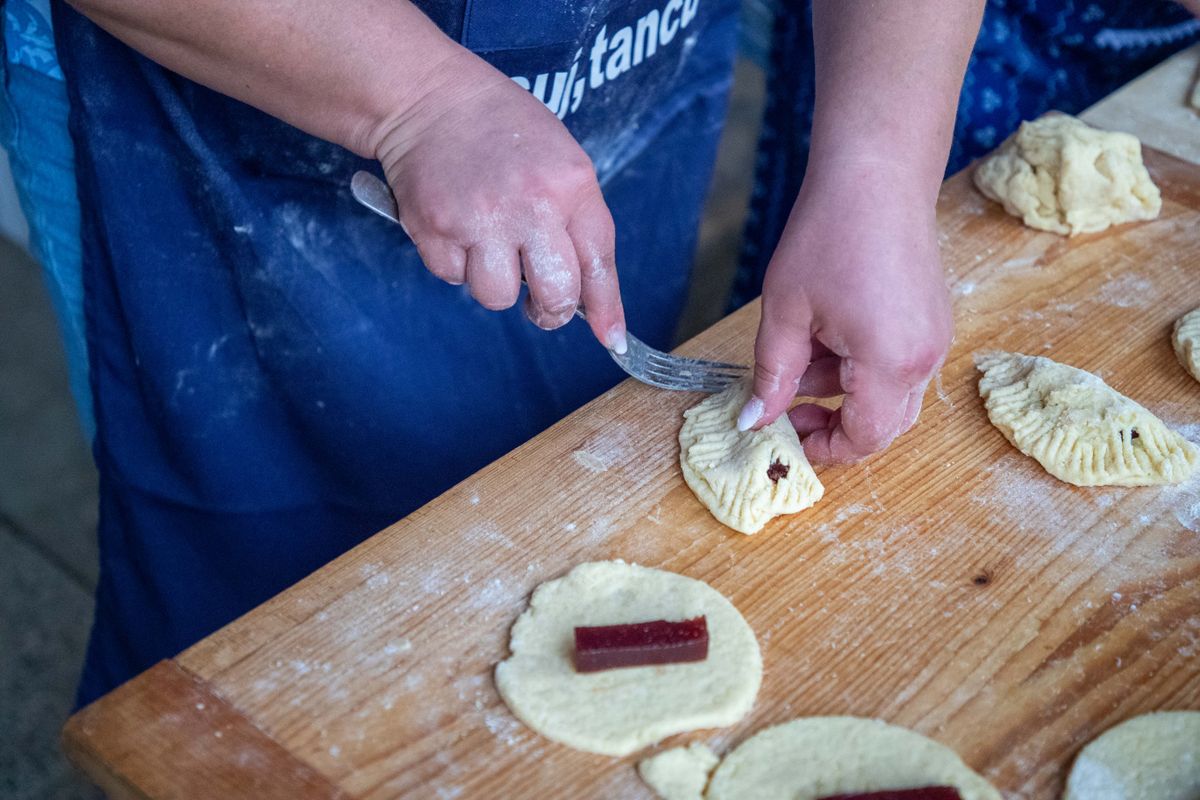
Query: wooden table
[[949, 584], [1153, 107]]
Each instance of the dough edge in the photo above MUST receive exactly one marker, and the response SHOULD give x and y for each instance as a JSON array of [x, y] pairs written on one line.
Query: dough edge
[[680, 773], [795, 761], [1185, 337], [1114, 765]]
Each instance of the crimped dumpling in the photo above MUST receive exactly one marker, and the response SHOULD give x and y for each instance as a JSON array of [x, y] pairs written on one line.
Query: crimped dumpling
[[1079, 428], [1186, 338], [744, 477]]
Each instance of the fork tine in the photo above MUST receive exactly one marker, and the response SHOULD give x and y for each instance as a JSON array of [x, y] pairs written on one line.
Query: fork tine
[[668, 381], [652, 353], [660, 356], [689, 377], [702, 383], [687, 370], [666, 371]]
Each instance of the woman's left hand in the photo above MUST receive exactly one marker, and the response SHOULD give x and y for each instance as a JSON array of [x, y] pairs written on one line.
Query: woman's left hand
[[854, 303]]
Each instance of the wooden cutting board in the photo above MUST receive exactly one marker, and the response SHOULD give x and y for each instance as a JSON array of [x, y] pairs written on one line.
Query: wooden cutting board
[[948, 585]]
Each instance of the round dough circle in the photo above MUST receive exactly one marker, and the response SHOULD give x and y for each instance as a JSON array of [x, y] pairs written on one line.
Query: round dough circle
[[1186, 338], [1151, 757], [618, 711], [806, 759]]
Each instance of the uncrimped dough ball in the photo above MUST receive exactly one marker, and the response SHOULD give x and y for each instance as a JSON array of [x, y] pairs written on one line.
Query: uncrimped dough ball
[[1059, 174], [745, 478], [1078, 427], [1151, 757], [1186, 338], [816, 757], [680, 773], [615, 712]]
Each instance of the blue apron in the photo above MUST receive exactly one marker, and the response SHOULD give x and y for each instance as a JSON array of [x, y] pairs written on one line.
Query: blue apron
[[275, 374], [1031, 56]]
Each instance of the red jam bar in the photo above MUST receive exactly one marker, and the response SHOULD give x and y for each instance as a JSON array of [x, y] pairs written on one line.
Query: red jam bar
[[640, 644], [923, 793]]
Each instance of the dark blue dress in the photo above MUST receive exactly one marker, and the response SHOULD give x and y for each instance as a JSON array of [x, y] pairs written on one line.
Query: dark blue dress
[[276, 375]]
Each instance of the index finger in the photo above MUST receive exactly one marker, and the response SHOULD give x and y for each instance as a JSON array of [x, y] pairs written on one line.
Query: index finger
[[872, 415], [594, 236]]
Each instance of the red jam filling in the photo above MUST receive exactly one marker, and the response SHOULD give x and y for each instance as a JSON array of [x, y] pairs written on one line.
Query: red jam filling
[[923, 793], [640, 644]]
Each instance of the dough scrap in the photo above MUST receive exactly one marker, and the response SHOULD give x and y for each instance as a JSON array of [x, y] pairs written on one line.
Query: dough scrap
[[1186, 338], [731, 473], [817, 757], [1059, 174], [680, 773], [618, 711], [1151, 757], [1076, 426]]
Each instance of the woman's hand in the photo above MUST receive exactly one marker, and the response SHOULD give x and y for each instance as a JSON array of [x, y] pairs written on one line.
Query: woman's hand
[[487, 178], [854, 303], [490, 183]]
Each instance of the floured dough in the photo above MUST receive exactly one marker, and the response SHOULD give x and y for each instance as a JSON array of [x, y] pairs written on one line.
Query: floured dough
[[1151, 757], [680, 773], [811, 758], [1186, 338], [1059, 174], [744, 478], [618, 711], [1077, 427]]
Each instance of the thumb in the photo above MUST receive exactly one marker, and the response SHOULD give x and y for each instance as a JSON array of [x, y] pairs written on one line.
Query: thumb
[[781, 354]]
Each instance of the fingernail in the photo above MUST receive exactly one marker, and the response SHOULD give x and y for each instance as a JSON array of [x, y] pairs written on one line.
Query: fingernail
[[751, 413], [616, 340]]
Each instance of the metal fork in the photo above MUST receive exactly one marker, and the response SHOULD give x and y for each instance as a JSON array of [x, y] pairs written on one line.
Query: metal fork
[[641, 361]]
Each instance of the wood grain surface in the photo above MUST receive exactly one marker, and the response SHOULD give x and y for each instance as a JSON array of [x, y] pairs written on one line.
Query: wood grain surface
[[948, 585], [1155, 107], [167, 735]]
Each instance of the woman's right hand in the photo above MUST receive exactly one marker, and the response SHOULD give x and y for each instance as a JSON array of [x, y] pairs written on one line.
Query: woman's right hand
[[488, 180], [491, 184]]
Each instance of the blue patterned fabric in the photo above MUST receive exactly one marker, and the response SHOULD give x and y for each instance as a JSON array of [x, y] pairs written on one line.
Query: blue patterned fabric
[[1031, 56], [28, 36]]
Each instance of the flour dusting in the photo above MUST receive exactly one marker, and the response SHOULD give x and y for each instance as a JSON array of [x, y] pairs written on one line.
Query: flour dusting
[[589, 461], [609, 447], [1127, 290]]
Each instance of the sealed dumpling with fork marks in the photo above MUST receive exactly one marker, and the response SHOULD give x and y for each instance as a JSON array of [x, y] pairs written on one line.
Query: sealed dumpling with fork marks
[[1186, 338], [744, 478], [1078, 427]]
